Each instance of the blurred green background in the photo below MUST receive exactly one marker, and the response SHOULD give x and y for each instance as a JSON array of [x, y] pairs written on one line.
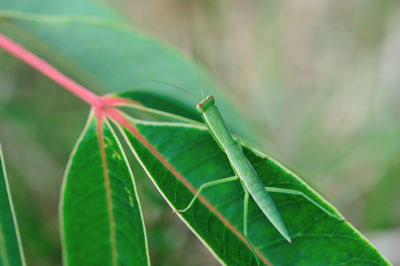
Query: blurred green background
[[319, 79]]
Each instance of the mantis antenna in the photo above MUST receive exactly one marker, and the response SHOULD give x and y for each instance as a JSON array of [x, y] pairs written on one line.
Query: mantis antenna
[[176, 87], [198, 73]]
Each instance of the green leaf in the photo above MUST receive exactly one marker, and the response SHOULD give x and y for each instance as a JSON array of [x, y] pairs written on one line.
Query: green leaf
[[101, 219], [72, 7], [180, 157], [11, 252]]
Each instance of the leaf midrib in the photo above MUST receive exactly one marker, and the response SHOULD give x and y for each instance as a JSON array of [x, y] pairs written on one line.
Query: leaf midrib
[[111, 220]]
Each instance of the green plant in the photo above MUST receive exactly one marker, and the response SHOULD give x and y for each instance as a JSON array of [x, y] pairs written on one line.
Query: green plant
[[101, 218]]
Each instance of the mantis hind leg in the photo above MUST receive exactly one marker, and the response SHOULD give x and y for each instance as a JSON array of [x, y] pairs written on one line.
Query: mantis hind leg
[[206, 185], [245, 215], [299, 193]]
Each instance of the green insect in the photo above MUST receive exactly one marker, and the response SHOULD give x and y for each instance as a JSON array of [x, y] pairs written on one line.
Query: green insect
[[243, 170]]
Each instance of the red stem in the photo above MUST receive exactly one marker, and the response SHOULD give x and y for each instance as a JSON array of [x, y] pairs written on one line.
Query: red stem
[[49, 71]]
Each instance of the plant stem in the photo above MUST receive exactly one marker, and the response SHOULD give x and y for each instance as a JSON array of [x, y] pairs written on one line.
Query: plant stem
[[49, 71]]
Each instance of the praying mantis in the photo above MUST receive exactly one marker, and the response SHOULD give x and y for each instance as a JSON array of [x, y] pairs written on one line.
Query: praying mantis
[[244, 172]]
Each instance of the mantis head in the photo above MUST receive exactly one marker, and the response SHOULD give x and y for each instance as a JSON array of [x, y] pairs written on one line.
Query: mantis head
[[205, 104]]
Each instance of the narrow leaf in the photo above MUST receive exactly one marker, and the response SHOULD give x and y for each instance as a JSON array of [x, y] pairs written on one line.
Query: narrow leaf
[[179, 158], [101, 219], [11, 252]]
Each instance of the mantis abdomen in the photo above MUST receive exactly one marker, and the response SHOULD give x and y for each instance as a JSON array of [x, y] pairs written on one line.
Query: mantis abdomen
[[253, 184]]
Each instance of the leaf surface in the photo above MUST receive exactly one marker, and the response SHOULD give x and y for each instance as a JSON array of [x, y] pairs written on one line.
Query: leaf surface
[[10, 244], [100, 214], [180, 157]]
